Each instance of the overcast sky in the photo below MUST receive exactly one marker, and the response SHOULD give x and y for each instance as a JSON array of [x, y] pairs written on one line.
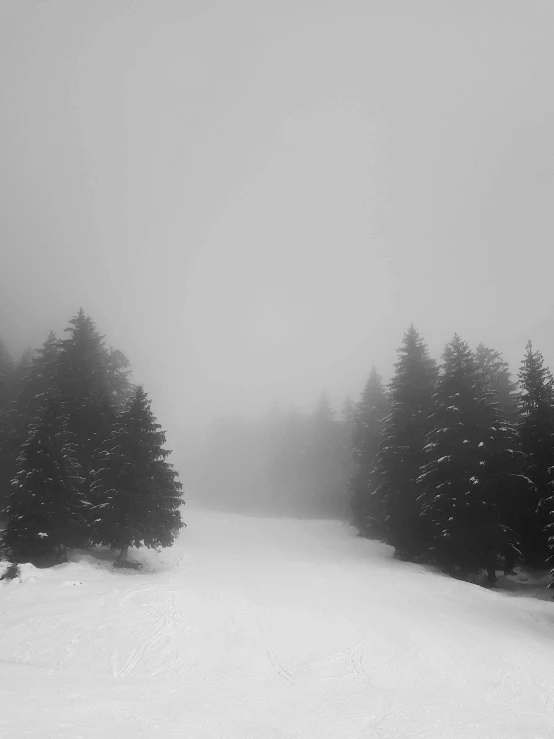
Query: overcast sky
[[254, 199]]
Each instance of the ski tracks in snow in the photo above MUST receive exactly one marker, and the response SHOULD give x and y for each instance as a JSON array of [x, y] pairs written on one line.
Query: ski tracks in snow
[[278, 667], [357, 654], [160, 606]]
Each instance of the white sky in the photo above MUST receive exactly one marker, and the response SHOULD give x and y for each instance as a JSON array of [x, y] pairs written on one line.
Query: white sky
[[254, 199]]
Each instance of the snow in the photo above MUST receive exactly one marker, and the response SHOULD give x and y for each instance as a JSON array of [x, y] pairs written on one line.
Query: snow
[[253, 628]]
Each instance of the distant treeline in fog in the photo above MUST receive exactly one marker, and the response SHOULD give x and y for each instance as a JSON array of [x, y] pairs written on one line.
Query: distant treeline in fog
[[451, 463], [82, 459], [288, 462]]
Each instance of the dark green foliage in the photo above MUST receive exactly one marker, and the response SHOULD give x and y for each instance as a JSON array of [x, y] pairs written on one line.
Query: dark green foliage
[[46, 508], [472, 472], [6, 377], [11, 572], [369, 417], [497, 379], [536, 437], [85, 377], [119, 369], [136, 492], [35, 377], [20, 372], [401, 451]]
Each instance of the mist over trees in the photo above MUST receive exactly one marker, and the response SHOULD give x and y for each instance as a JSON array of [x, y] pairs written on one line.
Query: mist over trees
[[460, 472], [82, 458], [289, 462], [451, 462]]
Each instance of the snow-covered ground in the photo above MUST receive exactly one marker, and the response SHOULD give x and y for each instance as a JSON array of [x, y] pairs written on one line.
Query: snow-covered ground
[[253, 628]]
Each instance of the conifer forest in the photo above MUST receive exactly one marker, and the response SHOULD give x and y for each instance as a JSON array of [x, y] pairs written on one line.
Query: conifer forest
[[276, 369], [451, 462], [82, 457]]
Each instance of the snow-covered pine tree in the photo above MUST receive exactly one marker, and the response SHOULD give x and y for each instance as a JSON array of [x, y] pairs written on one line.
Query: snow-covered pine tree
[[369, 416], [6, 373], [46, 509], [401, 450], [84, 376], [38, 379], [136, 492], [536, 436], [471, 473], [119, 369], [498, 381], [35, 379], [21, 371]]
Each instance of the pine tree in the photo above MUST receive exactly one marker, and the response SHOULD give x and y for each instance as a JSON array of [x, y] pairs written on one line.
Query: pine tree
[[21, 371], [401, 449], [38, 379], [35, 376], [84, 376], [327, 486], [135, 489], [369, 418], [6, 373], [346, 462], [498, 381], [472, 472], [45, 511], [536, 434], [347, 414], [119, 369]]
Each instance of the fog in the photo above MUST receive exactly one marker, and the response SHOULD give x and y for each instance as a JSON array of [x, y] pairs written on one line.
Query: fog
[[253, 200]]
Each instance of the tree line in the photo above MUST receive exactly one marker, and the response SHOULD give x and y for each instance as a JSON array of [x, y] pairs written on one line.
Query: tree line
[[288, 462], [454, 464], [82, 458], [451, 463]]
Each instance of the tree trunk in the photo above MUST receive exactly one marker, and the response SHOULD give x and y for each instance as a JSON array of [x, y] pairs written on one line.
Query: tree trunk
[[123, 554], [491, 576]]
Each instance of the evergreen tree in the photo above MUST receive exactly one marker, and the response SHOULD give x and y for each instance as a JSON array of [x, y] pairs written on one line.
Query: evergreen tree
[[45, 511], [498, 381], [348, 414], [346, 462], [38, 379], [35, 378], [20, 372], [471, 474], [6, 373], [135, 489], [369, 417], [84, 376], [536, 434], [327, 485], [401, 449], [119, 369]]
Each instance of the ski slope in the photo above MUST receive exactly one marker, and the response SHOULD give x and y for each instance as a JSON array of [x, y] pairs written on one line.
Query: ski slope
[[253, 628]]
